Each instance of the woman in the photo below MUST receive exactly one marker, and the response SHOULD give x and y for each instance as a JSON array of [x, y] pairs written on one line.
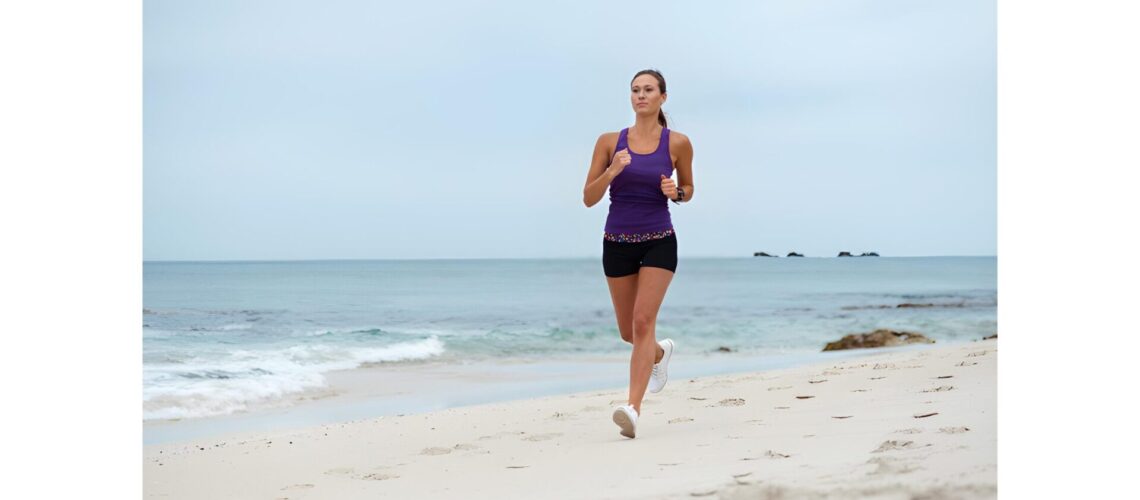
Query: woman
[[639, 247]]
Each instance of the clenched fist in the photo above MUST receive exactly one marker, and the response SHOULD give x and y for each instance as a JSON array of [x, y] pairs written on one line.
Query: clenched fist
[[621, 159], [668, 187]]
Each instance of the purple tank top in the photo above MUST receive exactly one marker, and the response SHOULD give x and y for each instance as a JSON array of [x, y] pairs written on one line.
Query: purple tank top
[[637, 205]]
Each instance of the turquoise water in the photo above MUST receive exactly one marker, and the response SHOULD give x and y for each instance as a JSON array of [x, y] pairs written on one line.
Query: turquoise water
[[221, 337]]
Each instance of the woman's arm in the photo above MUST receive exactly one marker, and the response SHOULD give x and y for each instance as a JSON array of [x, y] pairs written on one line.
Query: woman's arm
[[685, 165], [599, 177]]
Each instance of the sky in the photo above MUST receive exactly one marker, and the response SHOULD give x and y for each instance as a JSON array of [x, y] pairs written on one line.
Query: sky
[[291, 130]]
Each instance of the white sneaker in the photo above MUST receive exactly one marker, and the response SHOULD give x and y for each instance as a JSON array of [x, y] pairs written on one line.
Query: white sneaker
[[660, 373], [626, 418]]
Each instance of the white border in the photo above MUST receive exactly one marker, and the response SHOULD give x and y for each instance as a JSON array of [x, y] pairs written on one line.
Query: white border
[[70, 198]]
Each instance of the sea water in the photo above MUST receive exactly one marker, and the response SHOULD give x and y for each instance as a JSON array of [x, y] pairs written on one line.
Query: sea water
[[225, 337]]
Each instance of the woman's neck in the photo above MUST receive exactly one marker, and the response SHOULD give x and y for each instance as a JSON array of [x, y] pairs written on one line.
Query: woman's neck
[[645, 126]]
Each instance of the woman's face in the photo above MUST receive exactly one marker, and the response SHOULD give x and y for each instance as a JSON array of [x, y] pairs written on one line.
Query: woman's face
[[645, 95]]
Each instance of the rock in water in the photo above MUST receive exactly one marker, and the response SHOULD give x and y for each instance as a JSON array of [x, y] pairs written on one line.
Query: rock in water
[[793, 254], [762, 254], [844, 254], [878, 338]]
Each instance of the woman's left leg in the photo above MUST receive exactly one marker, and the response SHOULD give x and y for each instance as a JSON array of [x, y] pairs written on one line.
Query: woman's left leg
[[652, 283]]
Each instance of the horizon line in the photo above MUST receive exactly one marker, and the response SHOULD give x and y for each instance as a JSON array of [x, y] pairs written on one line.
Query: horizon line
[[334, 259]]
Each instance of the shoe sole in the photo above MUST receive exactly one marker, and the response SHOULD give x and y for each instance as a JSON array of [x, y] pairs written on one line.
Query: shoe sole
[[665, 366], [627, 428]]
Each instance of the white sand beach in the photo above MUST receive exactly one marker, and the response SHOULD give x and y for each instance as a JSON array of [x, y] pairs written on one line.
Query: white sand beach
[[893, 424]]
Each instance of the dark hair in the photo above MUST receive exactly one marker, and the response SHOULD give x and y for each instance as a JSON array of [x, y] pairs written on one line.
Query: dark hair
[[660, 83]]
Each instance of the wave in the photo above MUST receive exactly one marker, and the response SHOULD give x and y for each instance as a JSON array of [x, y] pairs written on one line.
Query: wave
[[246, 378]]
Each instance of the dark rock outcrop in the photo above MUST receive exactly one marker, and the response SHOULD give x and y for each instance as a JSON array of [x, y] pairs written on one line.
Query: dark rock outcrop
[[844, 254], [869, 254], [878, 338], [994, 336], [763, 254], [793, 254]]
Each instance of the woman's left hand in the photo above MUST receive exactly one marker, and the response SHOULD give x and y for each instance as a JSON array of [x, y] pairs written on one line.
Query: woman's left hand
[[668, 187]]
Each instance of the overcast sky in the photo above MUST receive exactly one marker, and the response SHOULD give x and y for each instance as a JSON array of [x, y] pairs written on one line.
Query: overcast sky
[[352, 130]]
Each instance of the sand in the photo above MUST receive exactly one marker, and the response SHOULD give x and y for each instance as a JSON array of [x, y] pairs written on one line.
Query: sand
[[894, 424]]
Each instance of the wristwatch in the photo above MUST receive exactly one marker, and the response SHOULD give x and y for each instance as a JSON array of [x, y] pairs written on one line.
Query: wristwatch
[[680, 196]]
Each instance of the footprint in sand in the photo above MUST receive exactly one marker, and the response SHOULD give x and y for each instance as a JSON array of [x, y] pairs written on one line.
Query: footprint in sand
[[776, 454], [305, 486], [465, 446], [889, 465], [894, 445], [884, 366], [912, 430], [435, 451], [976, 354], [340, 471], [679, 420], [953, 430], [804, 397], [378, 476], [817, 381], [941, 388], [780, 388], [972, 363], [542, 437], [731, 402]]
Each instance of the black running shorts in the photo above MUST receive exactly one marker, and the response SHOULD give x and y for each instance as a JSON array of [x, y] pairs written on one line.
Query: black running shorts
[[624, 259]]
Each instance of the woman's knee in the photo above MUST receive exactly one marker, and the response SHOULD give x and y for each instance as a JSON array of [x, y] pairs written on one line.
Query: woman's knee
[[626, 334], [643, 323]]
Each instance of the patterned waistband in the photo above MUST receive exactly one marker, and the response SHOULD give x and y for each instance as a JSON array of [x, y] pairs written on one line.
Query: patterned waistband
[[636, 237]]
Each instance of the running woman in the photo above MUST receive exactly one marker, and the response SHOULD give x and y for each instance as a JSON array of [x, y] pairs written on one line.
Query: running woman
[[639, 246]]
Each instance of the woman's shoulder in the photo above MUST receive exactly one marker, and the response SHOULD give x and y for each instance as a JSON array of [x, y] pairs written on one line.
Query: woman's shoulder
[[609, 139], [609, 136], [678, 140]]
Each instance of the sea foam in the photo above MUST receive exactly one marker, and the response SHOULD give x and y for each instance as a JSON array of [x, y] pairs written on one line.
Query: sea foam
[[241, 379]]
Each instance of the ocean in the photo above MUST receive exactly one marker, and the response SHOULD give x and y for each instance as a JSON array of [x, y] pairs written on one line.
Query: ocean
[[222, 338]]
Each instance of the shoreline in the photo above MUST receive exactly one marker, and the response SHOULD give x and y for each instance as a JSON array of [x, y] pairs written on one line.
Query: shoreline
[[416, 388], [861, 433]]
